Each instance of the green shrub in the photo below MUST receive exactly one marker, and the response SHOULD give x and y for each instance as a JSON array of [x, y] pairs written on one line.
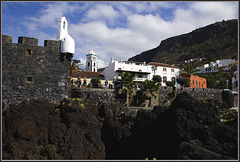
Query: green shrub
[[95, 82], [170, 83]]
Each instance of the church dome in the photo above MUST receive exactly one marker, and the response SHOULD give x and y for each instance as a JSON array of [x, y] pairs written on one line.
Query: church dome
[[91, 53]]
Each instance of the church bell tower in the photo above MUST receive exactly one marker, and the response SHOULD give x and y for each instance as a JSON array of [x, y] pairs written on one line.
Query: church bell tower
[[91, 61], [67, 42]]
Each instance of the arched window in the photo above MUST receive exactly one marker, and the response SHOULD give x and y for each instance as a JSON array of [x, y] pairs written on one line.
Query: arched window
[[88, 63], [94, 64]]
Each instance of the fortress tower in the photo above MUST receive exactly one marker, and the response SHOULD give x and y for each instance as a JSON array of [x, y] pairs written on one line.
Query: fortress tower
[[32, 71], [92, 61], [67, 42]]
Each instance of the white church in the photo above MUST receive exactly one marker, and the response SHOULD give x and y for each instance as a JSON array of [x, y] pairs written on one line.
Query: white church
[[67, 42]]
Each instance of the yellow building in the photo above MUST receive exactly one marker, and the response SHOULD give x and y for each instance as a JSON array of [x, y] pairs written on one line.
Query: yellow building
[[88, 76]]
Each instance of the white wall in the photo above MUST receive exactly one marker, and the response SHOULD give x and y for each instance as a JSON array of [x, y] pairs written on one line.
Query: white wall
[[109, 72], [146, 71], [67, 42]]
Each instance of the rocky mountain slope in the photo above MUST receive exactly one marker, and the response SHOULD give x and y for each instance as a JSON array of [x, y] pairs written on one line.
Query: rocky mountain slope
[[215, 41], [81, 130]]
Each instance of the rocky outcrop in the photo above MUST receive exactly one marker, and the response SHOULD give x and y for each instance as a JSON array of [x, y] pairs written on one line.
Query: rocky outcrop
[[81, 130], [218, 40], [228, 97], [189, 129], [36, 130]]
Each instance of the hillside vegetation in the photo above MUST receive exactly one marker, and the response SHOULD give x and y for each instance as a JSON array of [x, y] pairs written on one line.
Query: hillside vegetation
[[215, 41]]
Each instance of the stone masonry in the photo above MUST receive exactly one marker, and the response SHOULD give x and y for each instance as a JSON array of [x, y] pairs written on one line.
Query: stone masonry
[[107, 95], [32, 71]]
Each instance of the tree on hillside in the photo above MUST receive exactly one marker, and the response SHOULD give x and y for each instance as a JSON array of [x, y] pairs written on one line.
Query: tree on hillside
[[127, 84], [218, 80], [150, 87]]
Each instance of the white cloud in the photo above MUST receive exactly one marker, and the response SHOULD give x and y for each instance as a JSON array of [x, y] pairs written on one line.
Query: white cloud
[[51, 12], [200, 14], [217, 10], [101, 12]]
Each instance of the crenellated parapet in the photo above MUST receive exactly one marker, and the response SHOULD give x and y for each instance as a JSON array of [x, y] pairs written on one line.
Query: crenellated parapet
[[32, 71]]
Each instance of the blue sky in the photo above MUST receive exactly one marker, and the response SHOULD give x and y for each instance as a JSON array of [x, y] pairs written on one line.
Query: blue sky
[[112, 29]]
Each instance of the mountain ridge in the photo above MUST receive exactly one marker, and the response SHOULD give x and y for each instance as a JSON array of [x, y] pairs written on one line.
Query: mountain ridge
[[215, 41]]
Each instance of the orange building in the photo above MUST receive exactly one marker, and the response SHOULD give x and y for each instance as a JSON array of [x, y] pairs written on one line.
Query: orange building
[[198, 82]]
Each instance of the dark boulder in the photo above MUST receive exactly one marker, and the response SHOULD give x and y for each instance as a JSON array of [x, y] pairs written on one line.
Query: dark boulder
[[37, 130], [228, 97], [113, 133]]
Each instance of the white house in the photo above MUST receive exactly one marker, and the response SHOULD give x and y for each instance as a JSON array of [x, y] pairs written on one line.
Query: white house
[[214, 66], [166, 71], [138, 69], [141, 71], [202, 69]]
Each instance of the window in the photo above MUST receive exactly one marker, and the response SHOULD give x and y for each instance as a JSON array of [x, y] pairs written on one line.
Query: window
[[164, 71], [28, 52], [164, 79], [199, 84], [64, 24], [173, 79], [202, 85], [193, 82], [139, 75], [88, 63], [28, 79], [196, 84], [172, 71], [94, 64]]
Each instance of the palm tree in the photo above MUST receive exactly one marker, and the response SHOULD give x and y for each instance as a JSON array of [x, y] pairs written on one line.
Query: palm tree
[[188, 69], [73, 66], [149, 89], [171, 96], [127, 84]]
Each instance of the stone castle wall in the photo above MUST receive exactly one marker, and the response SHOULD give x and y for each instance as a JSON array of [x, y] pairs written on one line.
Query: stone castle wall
[[95, 94], [32, 71], [107, 95]]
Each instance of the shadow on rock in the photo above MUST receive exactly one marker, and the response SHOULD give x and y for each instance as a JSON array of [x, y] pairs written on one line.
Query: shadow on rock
[[189, 129]]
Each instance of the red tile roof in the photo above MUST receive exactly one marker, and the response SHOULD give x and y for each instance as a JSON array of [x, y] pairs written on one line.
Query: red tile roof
[[87, 74], [161, 64]]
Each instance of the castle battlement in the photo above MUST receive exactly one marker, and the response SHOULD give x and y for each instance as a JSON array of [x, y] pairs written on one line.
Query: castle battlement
[[32, 71], [28, 41], [6, 39]]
